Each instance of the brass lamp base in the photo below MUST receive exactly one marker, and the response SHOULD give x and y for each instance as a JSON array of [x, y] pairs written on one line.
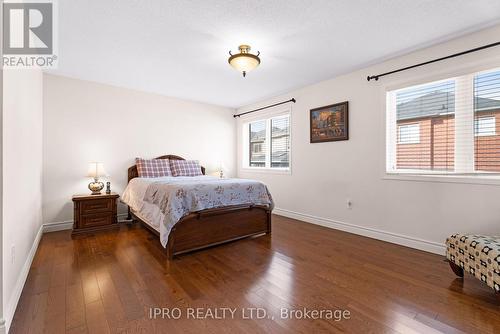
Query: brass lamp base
[[96, 187]]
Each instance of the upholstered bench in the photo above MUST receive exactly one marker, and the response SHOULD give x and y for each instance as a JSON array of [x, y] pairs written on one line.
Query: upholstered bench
[[476, 254]]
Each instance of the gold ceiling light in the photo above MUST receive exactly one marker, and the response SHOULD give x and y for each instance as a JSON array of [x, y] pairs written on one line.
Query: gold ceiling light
[[244, 61]]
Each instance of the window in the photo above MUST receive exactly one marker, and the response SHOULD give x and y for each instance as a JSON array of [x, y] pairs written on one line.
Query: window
[[409, 134], [280, 142], [484, 126], [448, 126], [258, 137], [269, 143]]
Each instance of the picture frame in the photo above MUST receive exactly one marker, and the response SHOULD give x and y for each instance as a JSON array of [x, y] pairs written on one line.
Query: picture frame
[[329, 123]]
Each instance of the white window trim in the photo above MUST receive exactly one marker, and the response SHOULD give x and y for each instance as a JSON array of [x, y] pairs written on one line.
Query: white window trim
[[440, 73], [246, 146], [484, 179]]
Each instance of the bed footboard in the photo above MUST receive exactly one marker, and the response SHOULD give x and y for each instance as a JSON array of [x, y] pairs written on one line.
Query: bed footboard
[[216, 226]]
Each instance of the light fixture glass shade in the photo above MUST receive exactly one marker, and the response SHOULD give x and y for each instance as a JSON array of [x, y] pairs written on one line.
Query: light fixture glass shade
[[96, 170], [244, 61]]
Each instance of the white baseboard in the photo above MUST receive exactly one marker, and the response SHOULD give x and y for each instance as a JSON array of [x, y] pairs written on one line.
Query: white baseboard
[[121, 216], [57, 226], [11, 306], [68, 225], [2, 326], [404, 240]]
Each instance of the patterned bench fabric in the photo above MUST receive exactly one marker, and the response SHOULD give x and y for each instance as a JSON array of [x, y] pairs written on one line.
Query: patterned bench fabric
[[478, 255]]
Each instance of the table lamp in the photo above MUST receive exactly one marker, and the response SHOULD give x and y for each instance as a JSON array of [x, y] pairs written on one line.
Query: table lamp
[[221, 169], [96, 170]]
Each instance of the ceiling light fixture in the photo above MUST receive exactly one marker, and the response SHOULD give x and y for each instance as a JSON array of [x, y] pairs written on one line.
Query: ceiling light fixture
[[244, 61]]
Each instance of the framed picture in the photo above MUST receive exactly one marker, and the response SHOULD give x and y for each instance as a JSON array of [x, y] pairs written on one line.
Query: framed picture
[[330, 123]]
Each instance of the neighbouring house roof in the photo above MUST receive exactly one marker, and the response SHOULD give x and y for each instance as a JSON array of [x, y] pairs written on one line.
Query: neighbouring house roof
[[280, 156], [260, 136], [438, 103]]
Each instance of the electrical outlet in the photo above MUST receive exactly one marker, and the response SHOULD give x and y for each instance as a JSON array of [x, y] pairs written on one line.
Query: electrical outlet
[[349, 204], [13, 254]]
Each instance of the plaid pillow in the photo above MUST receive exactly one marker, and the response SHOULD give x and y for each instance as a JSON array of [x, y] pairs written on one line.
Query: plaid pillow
[[153, 167], [185, 167]]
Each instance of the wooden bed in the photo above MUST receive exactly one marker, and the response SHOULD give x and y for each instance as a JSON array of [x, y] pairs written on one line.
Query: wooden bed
[[210, 227]]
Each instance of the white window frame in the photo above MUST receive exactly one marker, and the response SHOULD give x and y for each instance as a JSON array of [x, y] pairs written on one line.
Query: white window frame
[[246, 144], [409, 139], [477, 131], [388, 170]]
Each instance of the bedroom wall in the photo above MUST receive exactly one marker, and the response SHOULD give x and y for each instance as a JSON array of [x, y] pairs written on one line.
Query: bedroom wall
[[2, 302], [22, 179], [2, 316], [414, 213], [86, 121]]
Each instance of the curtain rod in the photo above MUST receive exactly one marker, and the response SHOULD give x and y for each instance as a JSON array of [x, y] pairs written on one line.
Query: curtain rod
[[370, 77], [272, 105]]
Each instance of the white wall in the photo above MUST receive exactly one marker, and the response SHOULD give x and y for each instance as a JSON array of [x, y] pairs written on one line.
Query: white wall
[[86, 121], [2, 319], [325, 175], [22, 179]]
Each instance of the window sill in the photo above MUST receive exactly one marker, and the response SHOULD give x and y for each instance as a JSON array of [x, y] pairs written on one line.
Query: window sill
[[283, 171], [440, 178]]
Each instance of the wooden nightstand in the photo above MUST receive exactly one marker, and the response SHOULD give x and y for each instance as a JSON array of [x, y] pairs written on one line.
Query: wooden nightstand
[[94, 212]]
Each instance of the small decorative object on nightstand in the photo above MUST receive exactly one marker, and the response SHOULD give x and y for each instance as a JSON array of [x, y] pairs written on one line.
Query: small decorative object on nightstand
[[94, 212], [96, 170], [221, 168], [108, 187]]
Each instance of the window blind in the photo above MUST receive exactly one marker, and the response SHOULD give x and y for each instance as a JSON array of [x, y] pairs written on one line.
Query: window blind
[[448, 126], [486, 118], [280, 142], [258, 144]]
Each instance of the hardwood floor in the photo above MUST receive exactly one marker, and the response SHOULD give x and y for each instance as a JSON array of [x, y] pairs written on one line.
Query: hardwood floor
[[107, 283]]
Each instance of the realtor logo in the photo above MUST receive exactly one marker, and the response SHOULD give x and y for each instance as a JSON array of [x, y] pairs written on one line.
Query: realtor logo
[[28, 34]]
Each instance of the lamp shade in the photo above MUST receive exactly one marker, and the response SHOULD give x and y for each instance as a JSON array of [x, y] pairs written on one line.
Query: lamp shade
[[96, 170], [222, 166]]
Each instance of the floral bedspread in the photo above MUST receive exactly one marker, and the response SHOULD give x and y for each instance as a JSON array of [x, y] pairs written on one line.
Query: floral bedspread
[[177, 199]]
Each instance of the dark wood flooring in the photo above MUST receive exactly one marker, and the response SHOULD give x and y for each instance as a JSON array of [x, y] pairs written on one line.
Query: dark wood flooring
[[107, 282]]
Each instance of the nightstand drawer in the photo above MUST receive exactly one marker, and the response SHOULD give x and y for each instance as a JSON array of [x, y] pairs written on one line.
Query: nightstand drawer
[[95, 220], [97, 206]]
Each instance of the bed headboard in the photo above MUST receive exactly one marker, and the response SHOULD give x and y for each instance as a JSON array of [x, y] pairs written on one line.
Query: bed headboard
[[132, 171]]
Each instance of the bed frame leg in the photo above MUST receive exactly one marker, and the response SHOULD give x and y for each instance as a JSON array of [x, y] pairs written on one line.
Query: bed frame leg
[[129, 214], [268, 222], [170, 247], [456, 269], [170, 257]]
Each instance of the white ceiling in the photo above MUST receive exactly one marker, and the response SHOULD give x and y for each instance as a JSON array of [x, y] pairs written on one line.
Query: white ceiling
[[179, 48]]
